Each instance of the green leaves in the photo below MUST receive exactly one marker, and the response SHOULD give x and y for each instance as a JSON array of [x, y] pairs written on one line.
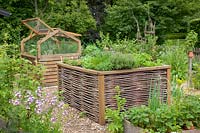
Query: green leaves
[[71, 15], [115, 117]]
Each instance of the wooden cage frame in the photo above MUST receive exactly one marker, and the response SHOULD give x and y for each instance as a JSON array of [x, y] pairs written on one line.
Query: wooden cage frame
[[49, 61]]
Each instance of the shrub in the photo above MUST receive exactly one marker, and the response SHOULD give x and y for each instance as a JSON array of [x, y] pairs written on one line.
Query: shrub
[[19, 80], [71, 15], [175, 56]]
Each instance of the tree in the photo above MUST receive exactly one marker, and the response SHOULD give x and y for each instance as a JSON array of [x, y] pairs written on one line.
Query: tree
[[171, 16]]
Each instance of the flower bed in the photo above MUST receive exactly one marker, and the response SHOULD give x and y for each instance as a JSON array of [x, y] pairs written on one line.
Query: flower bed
[[92, 91]]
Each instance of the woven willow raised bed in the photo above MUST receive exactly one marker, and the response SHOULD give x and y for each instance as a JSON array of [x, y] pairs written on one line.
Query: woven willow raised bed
[[44, 33], [92, 91]]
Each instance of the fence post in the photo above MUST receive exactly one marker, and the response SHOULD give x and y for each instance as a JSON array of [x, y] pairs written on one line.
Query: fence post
[[190, 56], [101, 99], [168, 86]]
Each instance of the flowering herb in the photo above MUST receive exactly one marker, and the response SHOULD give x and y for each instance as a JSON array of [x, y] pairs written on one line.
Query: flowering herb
[[39, 106]]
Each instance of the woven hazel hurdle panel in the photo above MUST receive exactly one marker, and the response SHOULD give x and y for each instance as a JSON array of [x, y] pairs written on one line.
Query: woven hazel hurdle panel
[[136, 87], [92, 91]]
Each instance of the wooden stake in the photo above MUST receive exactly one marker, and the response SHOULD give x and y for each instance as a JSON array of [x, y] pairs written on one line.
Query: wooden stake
[[168, 87], [101, 99]]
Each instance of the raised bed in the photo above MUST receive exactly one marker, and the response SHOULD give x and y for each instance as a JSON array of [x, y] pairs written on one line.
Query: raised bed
[[129, 128], [92, 91]]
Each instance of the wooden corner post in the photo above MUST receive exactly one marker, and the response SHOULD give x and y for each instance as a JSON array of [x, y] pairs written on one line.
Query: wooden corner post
[[168, 86], [101, 99]]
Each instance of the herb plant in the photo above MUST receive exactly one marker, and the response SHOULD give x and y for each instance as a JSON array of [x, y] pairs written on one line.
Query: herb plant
[[115, 117]]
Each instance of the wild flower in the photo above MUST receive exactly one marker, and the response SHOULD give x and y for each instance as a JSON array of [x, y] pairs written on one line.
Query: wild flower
[[53, 101], [39, 91], [18, 94], [15, 102], [38, 105], [30, 99], [53, 119], [61, 105]]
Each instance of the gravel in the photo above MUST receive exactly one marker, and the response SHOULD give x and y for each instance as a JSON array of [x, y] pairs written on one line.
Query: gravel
[[75, 121]]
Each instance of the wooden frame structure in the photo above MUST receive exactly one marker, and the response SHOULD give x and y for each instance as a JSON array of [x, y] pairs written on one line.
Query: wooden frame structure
[[40, 28], [91, 91]]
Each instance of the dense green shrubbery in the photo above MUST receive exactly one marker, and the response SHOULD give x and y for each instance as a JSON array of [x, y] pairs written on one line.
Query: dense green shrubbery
[[19, 101], [71, 15], [168, 15]]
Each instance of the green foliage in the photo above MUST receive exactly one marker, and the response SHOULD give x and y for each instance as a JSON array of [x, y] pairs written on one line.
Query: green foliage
[[19, 80], [196, 76], [71, 15], [91, 50], [100, 62], [115, 117], [15, 73], [154, 101], [175, 56], [122, 61], [191, 39], [30, 112], [195, 26], [140, 116], [72, 62], [119, 45], [170, 16], [107, 61], [121, 17], [145, 60], [182, 113]]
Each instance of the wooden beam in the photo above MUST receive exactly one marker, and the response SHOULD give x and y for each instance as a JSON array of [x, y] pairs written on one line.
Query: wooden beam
[[168, 87], [25, 40], [101, 99], [114, 71]]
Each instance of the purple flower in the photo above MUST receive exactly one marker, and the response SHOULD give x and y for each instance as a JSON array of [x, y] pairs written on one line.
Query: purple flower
[[61, 105], [18, 94], [30, 99], [53, 100], [38, 110], [15, 102], [39, 91], [64, 112], [53, 119]]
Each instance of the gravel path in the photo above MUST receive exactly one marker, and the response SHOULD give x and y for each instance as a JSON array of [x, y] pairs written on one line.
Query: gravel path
[[75, 121]]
